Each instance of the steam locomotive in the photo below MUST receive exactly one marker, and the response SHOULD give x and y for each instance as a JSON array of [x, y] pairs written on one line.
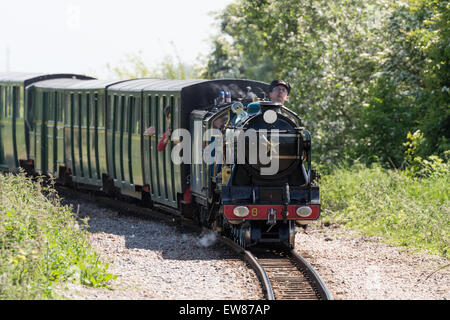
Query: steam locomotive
[[91, 134]]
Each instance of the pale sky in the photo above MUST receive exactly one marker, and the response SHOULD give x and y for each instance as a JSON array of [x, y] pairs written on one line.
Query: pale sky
[[82, 36]]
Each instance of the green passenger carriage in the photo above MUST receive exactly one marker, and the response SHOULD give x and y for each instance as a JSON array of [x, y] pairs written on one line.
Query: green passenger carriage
[[17, 116]]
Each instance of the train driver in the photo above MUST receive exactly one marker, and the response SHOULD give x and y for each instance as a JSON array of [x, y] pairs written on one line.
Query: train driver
[[279, 91]]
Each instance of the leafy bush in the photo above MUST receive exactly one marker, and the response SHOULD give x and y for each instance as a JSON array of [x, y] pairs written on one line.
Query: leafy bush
[[433, 166], [407, 211], [41, 242]]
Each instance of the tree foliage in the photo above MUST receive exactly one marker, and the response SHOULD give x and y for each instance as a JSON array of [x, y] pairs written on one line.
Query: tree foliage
[[364, 73], [410, 89]]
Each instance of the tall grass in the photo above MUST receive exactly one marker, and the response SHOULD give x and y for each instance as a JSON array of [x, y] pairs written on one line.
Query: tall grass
[[41, 242], [406, 211]]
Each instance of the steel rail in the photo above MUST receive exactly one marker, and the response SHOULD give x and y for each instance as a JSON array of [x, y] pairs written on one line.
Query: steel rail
[[318, 284], [257, 267], [291, 276]]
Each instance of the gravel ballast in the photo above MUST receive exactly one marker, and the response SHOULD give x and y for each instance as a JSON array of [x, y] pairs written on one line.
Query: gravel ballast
[[364, 268], [153, 260]]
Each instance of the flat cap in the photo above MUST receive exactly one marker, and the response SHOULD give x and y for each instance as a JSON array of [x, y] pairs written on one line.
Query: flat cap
[[280, 83]]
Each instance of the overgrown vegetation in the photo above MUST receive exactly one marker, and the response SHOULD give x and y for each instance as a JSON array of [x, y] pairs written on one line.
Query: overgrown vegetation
[[41, 242], [404, 210], [409, 207]]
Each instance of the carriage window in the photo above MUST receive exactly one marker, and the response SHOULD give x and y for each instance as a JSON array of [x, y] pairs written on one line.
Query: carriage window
[[89, 111], [96, 111], [2, 103], [79, 111], [44, 106], [122, 114], [49, 104], [164, 104], [101, 114], [156, 106], [20, 103], [115, 113], [60, 107], [92, 111], [16, 102], [172, 111], [197, 161], [71, 113], [136, 117], [57, 107], [74, 109], [131, 113], [54, 114], [149, 112], [7, 102], [101, 110]]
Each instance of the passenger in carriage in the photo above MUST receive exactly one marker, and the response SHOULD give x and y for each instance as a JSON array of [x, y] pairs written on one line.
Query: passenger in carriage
[[166, 136]]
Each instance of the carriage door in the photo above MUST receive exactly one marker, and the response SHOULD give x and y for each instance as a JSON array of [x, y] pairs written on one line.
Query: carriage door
[[197, 179]]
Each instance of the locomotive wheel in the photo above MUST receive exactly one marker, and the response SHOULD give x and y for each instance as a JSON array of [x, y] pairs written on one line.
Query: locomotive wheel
[[242, 235], [286, 234]]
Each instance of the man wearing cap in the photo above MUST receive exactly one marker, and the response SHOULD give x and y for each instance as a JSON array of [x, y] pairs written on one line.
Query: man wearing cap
[[279, 91]]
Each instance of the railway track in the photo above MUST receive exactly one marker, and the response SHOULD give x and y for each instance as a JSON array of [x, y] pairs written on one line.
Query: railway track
[[283, 273]]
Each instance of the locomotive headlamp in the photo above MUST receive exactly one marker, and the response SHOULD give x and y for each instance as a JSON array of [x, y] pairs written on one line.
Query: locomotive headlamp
[[270, 116], [304, 211], [241, 211]]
